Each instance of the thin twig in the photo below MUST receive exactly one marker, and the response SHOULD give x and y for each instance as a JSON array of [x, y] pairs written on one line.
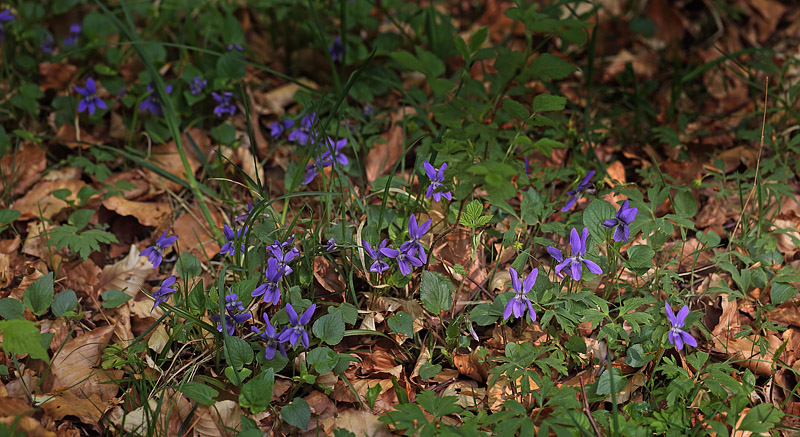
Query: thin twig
[[586, 408]]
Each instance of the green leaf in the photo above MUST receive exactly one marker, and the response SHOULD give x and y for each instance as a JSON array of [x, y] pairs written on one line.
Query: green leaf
[[114, 298], [546, 145], [80, 218], [640, 258], [515, 109], [297, 413], [485, 314], [238, 352], [402, 323], [329, 328], [780, 292], [604, 386], [428, 371], [200, 393], [7, 216], [408, 60], [477, 39], [685, 204], [64, 301], [636, 356], [22, 337], [348, 311], [548, 66], [761, 419], [39, 295], [231, 65], [436, 292], [11, 309], [546, 102], [323, 359], [257, 393], [593, 217], [188, 266], [197, 298], [433, 66]]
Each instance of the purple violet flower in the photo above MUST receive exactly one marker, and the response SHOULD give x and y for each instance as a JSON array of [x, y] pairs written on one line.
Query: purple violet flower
[[237, 47], [677, 336], [89, 102], [331, 245], [517, 304], [152, 103], [406, 258], [5, 17], [436, 189], [224, 104], [164, 291], [233, 314], [625, 216], [276, 128], [47, 45], [197, 85], [74, 33], [336, 50], [303, 134], [270, 336], [527, 167], [576, 261], [577, 193], [328, 158], [415, 233], [153, 253], [271, 288], [296, 328], [249, 211], [377, 254], [277, 249], [231, 237]]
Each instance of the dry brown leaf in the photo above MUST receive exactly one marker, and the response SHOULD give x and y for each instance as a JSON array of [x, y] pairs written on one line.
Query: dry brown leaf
[[151, 214], [194, 235], [40, 197], [134, 177], [166, 156], [467, 393], [74, 366], [359, 422], [27, 426], [170, 413], [127, 274], [81, 276], [470, 365], [23, 168], [275, 100], [383, 156], [326, 274], [68, 403], [220, 419], [55, 76]]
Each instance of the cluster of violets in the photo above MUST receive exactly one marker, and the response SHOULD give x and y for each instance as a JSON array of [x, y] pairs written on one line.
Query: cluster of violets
[[520, 302], [411, 253], [234, 314], [90, 101]]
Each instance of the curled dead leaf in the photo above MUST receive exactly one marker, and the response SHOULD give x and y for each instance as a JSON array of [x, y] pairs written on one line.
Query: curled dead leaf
[[40, 197], [147, 213], [23, 168]]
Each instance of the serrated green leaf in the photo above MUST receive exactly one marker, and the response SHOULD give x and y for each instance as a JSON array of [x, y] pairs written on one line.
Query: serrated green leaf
[[231, 65], [297, 413], [11, 309], [780, 292], [22, 337], [408, 60], [200, 393], [256, 394], [188, 266], [515, 109], [548, 66], [39, 295], [80, 218], [477, 39], [238, 352], [604, 384], [401, 323], [329, 328], [546, 102], [323, 359], [436, 292], [640, 258], [7, 216], [685, 204], [593, 217], [114, 298], [63, 302], [428, 371], [546, 145]]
